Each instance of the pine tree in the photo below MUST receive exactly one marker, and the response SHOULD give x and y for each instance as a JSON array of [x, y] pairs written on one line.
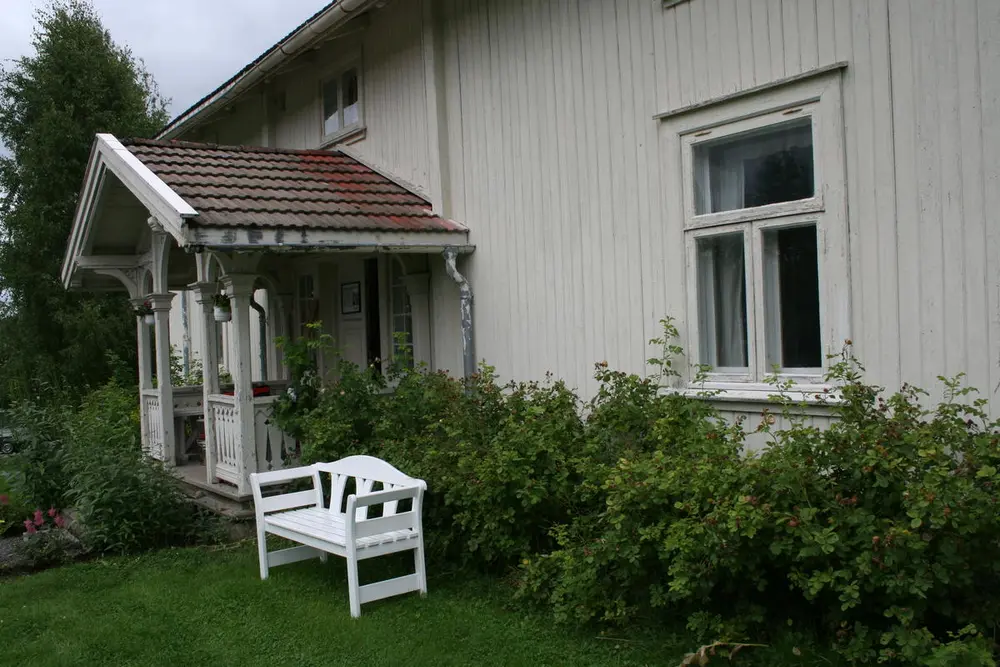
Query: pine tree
[[77, 83]]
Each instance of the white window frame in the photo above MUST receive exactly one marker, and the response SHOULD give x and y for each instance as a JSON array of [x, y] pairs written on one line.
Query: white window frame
[[338, 73], [821, 99]]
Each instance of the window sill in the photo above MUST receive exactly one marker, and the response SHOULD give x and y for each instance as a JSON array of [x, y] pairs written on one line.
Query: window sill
[[348, 135], [747, 392]]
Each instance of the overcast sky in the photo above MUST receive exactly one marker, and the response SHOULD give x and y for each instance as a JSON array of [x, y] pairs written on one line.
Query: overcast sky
[[190, 46]]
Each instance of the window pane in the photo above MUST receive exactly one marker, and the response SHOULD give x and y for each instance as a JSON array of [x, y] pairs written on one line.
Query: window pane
[[791, 298], [722, 301], [331, 107], [352, 110], [755, 168]]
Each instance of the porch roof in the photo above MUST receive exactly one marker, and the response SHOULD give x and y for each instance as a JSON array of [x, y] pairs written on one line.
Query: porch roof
[[242, 198], [244, 186]]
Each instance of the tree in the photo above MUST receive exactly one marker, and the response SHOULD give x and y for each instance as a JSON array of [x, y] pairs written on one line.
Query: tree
[[77, 83]]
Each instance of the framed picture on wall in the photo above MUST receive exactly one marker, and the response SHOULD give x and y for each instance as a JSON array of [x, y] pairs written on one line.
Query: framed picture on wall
[[350, 298]]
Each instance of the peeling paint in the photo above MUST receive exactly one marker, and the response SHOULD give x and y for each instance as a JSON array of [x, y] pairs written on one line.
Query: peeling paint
[[229, 237], [465, 305], [254, 236]]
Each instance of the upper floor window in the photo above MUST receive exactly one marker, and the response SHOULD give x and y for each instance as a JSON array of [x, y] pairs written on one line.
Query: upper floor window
[[341, 104], [766, 233]]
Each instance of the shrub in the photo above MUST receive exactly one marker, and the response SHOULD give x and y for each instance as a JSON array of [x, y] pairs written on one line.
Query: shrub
[[41, 432], [46, 542], [126, 503], [881, 533]]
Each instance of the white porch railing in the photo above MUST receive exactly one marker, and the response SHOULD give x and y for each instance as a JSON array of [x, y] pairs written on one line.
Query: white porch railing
[[227, 437], [274, 447], [153, 418]]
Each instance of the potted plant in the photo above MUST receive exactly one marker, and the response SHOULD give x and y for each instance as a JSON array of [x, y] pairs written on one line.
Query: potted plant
[[145, 311], [223, 311]]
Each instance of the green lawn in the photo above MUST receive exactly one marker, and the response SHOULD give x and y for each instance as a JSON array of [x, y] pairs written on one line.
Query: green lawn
[[202, 607]]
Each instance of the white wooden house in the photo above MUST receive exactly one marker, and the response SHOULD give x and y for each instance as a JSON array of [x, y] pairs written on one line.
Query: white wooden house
[[779, 175]]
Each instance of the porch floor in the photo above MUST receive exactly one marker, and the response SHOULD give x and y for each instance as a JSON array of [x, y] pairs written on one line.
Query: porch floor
[[221, 498]]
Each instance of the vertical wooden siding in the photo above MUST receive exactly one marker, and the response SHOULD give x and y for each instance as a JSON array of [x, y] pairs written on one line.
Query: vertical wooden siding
[[554, 164], [394, 95], [946, 122]]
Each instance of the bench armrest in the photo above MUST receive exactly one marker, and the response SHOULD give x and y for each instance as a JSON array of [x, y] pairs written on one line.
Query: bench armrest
[[379, 497], [285, 501]]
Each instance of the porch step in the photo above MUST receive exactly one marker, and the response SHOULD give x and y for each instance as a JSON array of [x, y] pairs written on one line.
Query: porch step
[[219, 498]]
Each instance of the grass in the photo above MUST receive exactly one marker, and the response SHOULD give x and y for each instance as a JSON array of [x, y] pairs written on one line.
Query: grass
[[203, 607]]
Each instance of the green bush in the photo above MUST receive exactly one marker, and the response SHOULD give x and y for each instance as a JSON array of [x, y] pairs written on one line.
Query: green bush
[[125, 502], [880, 535], [41, 433], [90, 458]]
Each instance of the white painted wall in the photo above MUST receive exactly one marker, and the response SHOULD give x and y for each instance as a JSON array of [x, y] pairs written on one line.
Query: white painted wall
[[552, 158]]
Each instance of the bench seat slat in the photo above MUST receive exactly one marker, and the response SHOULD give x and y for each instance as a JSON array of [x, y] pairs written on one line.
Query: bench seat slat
[[323, 525]]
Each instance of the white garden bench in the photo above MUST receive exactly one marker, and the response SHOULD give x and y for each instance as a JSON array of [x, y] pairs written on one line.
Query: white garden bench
[[302, 517]]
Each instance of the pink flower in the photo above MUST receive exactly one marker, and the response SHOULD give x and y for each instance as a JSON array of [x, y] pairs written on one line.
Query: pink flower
[[59, 521], [39, 518], [4, 499], [30, 527], [52, 511]]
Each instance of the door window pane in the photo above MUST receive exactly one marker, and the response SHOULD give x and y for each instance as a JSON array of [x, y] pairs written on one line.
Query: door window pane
[[351, 107], [722, 300], [791, 298], [766, 166], [331, 107]]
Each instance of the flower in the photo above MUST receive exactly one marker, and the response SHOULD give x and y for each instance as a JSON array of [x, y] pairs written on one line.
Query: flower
[[59, 521], [52, 511], [39, 518], [30, 527]]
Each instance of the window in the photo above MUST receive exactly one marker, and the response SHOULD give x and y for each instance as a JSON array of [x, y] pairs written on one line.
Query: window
[[341, 104], [402, 316], [766, 237]]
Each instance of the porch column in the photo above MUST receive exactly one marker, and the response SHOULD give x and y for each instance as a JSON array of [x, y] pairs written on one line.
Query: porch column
[[164, 388], [239, 287], [145, 370], [204, 293], [418, 289]]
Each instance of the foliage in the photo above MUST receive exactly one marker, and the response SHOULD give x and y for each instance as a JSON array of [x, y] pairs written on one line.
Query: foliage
[[13, 505], [50, 337], [90, 458], [178, 377], [41, 432], [125, 502], [46, 541], [879, 535]]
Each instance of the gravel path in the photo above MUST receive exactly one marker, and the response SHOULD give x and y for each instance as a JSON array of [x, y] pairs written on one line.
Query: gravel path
[[9, 558]]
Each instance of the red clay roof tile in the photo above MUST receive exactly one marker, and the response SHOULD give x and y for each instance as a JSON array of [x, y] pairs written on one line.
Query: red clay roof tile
[[243, 186]]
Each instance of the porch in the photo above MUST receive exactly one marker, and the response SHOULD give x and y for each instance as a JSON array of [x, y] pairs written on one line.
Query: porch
[[284, 239]]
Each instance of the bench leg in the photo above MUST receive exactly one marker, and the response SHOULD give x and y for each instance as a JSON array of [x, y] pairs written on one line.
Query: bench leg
[[262, 552], [322, 557], [353, 592], [419, 567]]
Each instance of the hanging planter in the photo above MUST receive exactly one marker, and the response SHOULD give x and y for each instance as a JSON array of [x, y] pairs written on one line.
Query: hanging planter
[[223, 310], [145, 311]]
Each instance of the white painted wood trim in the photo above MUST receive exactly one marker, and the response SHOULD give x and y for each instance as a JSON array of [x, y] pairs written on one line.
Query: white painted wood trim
[[320, 240], [384, 589], [753, 90]]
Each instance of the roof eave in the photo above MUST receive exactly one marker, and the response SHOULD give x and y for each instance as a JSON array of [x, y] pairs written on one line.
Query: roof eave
[[304, 36], [108, 154]]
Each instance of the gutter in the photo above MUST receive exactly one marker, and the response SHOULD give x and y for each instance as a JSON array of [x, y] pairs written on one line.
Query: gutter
[[465, 303], [301, 38]]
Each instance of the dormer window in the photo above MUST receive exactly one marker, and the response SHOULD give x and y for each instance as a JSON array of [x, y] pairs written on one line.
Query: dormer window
[[341, 104]]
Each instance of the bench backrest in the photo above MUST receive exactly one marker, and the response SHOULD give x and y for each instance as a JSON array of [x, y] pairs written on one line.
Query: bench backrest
[[366, 471]]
